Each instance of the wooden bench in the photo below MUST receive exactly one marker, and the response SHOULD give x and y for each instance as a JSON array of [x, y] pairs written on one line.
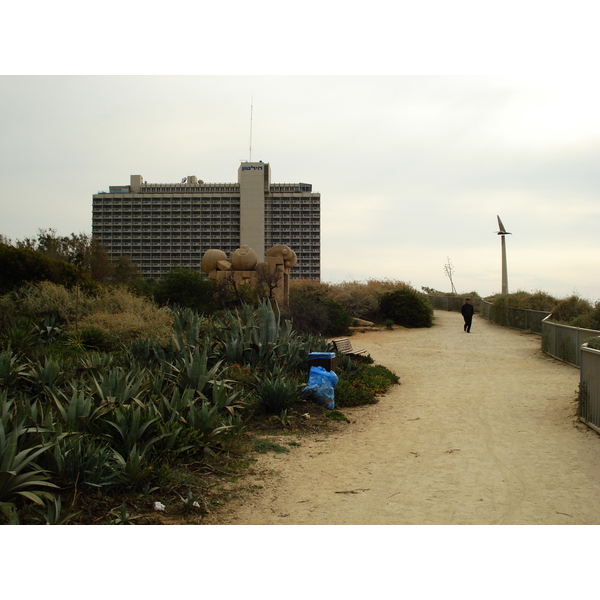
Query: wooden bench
[[344, 346]]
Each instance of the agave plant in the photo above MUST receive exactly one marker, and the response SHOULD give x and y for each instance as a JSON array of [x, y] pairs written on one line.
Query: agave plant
[[49, 330], [145, 351], [11, 368], [192, 369], [11, 515], [172, 408], [135, 468], [207, 422], [82, 461], [33, 413], [123, 517], [118, 384], [132, 424], [276, 392], [54, 514], [162, 380], [79, 411], [19, 339], [187, 327], [45, 375], [95, 362], [19, 474]]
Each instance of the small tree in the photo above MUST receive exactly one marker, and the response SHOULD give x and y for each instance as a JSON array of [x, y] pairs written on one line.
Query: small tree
[[449, 270], [267, 280], [186, 288], [125, 270]]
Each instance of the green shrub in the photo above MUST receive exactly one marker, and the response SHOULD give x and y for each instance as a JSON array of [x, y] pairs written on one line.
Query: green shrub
[[362, 299], [353, 393], [312, 313], [593, 342], [589, 319], [186, 288], [19, 266], [384, 373], [570, 309], [527, 300], [407, 308], [123, 317]]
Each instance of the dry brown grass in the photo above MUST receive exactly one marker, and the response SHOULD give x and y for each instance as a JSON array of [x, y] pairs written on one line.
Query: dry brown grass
[[121, 315]]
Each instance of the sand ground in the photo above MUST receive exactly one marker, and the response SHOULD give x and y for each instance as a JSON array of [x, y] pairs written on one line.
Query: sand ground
[[481, 430]]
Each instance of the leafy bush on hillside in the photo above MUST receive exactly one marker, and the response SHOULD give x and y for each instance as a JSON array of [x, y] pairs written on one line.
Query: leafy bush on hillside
[[573, 311], [577, 312], [407, 308], [22, 265], [186, 288], [315, 314], [527, 300], [119, 314], [362, 299]]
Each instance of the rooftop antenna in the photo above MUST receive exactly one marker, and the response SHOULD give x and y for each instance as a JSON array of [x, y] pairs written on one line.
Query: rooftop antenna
[[503, 233], [251, 107]]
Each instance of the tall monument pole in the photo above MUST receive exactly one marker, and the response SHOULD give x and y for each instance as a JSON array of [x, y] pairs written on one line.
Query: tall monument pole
[[503, 233]]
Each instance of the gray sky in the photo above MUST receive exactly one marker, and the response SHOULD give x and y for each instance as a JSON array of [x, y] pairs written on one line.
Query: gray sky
[[412, 168]]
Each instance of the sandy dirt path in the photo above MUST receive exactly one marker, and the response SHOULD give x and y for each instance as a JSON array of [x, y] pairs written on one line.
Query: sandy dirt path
[[482, 430]]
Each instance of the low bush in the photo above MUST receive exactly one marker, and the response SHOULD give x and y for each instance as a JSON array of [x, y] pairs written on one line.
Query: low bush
[[571, 311], [361, 382], [186, 288], [527, 300], [577, 312], [593, 342], [19, 266], [362, 299], [352, 393], [118, 314], [408, 308], [312, 313]]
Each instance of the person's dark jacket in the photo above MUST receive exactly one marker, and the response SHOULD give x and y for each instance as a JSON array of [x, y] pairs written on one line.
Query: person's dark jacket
[[467, 310]]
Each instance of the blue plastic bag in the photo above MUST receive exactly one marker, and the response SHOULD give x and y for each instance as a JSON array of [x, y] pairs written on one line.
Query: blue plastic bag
[[321, 386]]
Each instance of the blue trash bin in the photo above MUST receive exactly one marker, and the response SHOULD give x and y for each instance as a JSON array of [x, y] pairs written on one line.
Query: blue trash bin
[[327, 360]]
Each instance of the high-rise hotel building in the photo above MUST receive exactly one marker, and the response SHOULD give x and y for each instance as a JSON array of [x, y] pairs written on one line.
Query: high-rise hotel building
[[163, 226]]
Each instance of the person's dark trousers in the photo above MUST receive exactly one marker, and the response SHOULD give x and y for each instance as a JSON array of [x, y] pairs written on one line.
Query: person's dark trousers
[[468, 325]]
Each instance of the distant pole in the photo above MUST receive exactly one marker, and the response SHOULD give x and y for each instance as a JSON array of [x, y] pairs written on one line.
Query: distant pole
[[504, 267], [251, 107], [503, 233]]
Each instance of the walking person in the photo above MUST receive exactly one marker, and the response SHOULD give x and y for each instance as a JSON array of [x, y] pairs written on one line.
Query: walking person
[[467, 311]]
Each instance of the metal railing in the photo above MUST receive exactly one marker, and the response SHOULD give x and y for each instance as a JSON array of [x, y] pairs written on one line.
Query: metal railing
[[564, 342], [515, 318], [589, 388], [452, 302]]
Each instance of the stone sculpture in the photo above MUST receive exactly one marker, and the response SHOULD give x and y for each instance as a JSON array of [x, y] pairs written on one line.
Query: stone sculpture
[[245, 268]]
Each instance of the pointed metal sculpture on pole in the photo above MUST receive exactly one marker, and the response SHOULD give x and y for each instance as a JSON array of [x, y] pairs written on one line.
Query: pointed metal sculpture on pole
[[503, 233]]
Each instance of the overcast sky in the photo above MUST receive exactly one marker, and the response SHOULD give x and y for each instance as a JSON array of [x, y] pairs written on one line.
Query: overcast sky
[[412, 168]]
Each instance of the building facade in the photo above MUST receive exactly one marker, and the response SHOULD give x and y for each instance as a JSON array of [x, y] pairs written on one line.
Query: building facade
[[163, 226]]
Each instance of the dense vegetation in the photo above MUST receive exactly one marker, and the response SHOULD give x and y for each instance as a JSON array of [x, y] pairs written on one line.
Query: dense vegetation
[[573, 310], [377, 301], [110, 402]]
